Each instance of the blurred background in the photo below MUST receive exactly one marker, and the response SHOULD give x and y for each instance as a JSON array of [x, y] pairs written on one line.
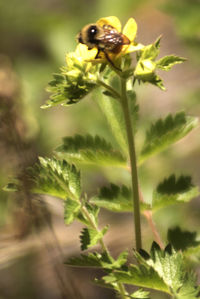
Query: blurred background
[[35, 35]]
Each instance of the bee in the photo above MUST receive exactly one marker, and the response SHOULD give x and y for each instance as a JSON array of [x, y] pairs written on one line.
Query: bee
[[106, 39]]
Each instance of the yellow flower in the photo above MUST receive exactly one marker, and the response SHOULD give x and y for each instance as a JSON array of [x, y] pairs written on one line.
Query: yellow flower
[[129, 30]]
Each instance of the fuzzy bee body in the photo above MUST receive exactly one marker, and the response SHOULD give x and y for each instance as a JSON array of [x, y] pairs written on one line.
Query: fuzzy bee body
[[106, 39]]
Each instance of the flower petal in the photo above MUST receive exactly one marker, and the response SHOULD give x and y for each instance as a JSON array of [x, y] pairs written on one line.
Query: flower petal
[[131, 48], [83, 52], [113, 21], [130, 29]]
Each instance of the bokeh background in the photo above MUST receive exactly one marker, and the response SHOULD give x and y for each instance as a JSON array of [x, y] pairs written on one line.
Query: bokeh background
[[34, 37]]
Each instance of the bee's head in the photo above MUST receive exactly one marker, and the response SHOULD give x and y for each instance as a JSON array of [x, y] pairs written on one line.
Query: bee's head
[[89, 35], [79, 38]]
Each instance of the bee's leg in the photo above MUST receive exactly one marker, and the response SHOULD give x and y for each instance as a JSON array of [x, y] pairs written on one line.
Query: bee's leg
[[97, 54], [110, 61]]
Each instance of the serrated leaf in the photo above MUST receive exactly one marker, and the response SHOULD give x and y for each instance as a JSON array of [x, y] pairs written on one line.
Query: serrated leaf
[[56, 178], [98, 260], [113, 113], [90, 150], [90, 237], [174, 190], [90, 260], [182, 239], [166, 63], [116, 199], [171, 266], [143, 276], [165, 132], [163, 270], [71, 210]]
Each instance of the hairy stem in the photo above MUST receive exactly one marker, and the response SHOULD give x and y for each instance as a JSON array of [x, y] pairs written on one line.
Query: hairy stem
[[149, 217], [109, 88], [133, 164], [120, 286]]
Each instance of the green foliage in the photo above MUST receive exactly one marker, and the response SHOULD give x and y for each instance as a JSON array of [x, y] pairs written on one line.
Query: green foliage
[[174, 190], [113, 113], [182, 240], [71, 210], [92, 211], [90, 237], [165, 132], [56, 178], [72, 84], [166, 63], [116, 199], [90, 150], [140, 294], [163, 270], [98, 260], [145, 70], [143, 276]]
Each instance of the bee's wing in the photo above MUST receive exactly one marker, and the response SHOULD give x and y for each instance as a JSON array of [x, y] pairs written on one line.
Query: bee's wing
[[113, 38]]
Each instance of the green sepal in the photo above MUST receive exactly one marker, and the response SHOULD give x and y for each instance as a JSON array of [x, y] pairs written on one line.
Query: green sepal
[[90, 237], [90, 150], [174, 190], [165, 132], [72, 83]]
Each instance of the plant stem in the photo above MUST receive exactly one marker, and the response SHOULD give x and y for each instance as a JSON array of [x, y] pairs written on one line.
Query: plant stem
[[109, 88], [120, 286], [133, 164]]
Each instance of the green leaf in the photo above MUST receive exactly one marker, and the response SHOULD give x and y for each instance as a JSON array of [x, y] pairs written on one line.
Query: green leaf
[[143, 276], [116, 199], [103, 284], [182, 239], [140, 294], [163, 270], [113, 113], [98, 260], [171, 266], [90, 237], [165, 132], [174, 190], [56, 178], [71, 210], [90, 260], [166, 63], [90, 150]]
